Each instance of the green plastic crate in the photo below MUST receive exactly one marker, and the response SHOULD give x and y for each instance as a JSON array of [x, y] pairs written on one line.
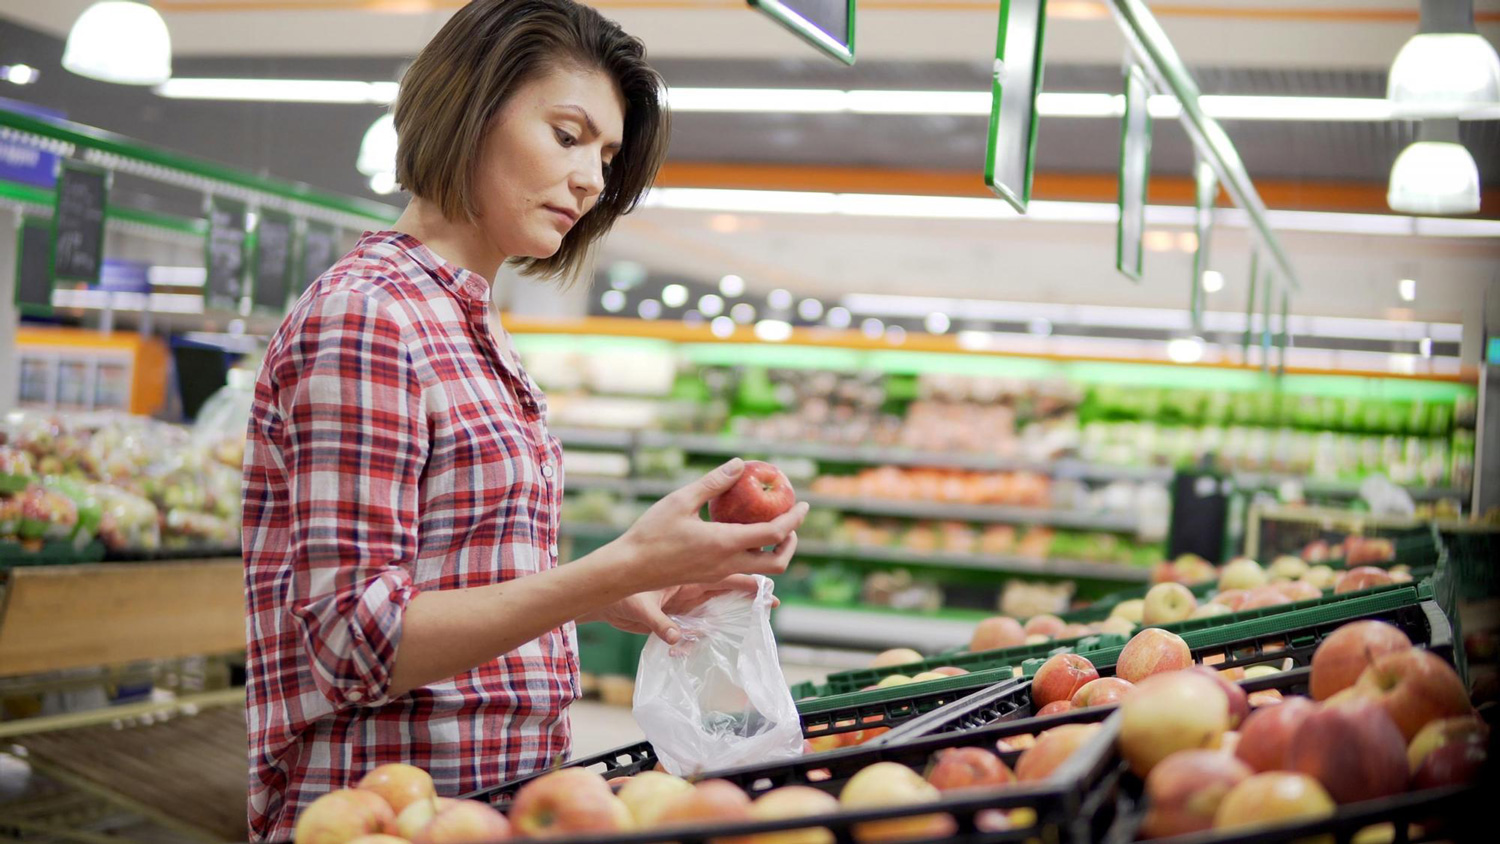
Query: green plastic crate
[[605, 651]]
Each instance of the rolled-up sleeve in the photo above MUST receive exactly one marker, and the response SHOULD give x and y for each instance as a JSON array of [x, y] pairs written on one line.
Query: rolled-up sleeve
[[355, 441]]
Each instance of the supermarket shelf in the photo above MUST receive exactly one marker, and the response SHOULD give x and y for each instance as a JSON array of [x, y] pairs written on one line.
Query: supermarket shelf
[[1339, 489], [1011, 564], [852, 628], [595, 437], [981, 513]]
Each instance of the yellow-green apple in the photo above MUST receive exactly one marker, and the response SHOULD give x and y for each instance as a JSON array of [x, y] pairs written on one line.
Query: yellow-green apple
[[1299, 590], [1232, 598], [1353, 749], [339, 816], [1115, 624], [1168, 602], [1074, 631], [1263, 596], [1152, 651], [761, 494], [1037, 638], [1052, 748], [1348, 651], [893, 680], [648, 792], [792, 801], [1045, 624], [1059, 677], [1000, 631], [1322, 577], [1166, 713], [889, 784], [1211, 609], [1287, 567], [1241, 573], [465, 822], [710, 801], [967, 767], [1193, 569], [1105, 691], [1265, 697], [1056, 707], [1445, 731], [1415, 687], [1361, 577], [1255, 672], [399, 784], [1184, 791], [568, 801], [1274, 797], [417, 813], [1133, 610], [895, 656], [1452, 764], [929, 675], [1239, 702], [1266, 734]]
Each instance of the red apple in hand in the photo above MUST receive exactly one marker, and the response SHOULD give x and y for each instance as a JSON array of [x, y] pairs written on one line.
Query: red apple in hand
[[761, 494]]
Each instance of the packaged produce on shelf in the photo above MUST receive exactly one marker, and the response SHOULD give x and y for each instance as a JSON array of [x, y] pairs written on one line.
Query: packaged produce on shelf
[[893, 483], [1025, 599], [129, 522], [899, 590], [17, 469]]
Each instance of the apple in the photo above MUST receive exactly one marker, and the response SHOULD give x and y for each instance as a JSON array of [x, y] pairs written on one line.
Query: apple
[[821, 743], [792, 801], [378, 838], [967, 767], [859, 737], [1115, 624], [1192, 569], [399, 784], [1255, 672], [1287, 567], [1264, 697], [568, 801], [929, 675], [1457, 763], [761, 494], [1232, 598], [1133, 610], [999, 631], [1184, 791], [339, 816], [1168, 602], [1263, 596], [1052, 748], [1322, 577], [895, 656], [648, 792], [1045, 624], [1241, 573], [1445, 731], [1415, 687], [1166, 713], [1317, 551], [1239, 702], [1059, 677], [893, 680], [1362, 577], [1300, 590], [1074, 631], [1348, 651], [1353, 749], [1229, 742], [1267, 733], [1164, 572], [889, 784], [1364, 550], [1274, 797], [710, 801], [465, 822], [417, 813], [1056, 707], [1211, 609], [1037, 638], [1105, 691], [1152, 651], [950, 671]]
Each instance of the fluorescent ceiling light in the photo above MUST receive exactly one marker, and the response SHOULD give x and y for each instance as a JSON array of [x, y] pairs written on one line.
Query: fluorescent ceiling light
[[377, 150], [1185, 349], [120, 41], [281, 90], [1444, 74]]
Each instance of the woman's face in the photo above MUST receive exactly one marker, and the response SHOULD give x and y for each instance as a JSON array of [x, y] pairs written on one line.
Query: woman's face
[[545, 159]]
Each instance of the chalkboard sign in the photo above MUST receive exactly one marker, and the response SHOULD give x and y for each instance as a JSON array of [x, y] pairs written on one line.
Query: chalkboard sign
[[34, 267], [273, 259], [225, 284], [320, 249], [78, 223], [825, 24]]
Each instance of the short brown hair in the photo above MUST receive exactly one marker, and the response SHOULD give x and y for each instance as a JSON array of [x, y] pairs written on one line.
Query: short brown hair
[[468, 71]]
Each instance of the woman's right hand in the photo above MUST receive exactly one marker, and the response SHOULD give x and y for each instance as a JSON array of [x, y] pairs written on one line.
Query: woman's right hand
[[670, 545]]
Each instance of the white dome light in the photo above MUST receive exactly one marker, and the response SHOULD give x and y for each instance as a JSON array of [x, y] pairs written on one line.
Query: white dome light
[[1213, 281], [1444, 74], [674, 295], [649, 309], [1185, 349], [936, 322], [773, 330], [1434, 177], [722, 326], [377, 152], [809, 309], [613, 301], [383, 182], [839, 317], [779, 299], [120, 41], [710, 304], [731, 285], [743, 313]]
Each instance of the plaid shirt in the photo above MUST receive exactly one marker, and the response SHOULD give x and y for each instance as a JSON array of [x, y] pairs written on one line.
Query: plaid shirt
[[391, 449]]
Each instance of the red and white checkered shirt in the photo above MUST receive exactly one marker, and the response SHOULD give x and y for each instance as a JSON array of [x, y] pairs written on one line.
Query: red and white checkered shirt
[[392, 449]]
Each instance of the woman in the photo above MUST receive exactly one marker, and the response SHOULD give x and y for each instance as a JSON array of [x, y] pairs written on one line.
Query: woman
[[401, 490]]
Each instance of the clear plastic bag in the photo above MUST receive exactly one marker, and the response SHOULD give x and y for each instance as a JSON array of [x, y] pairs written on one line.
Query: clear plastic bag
[[717, 699]]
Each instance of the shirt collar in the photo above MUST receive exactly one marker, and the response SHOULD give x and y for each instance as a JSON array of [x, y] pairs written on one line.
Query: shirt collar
[[456, 279]]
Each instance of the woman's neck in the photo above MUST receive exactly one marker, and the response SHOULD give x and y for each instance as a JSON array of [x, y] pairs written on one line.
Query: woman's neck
[[457, 242]]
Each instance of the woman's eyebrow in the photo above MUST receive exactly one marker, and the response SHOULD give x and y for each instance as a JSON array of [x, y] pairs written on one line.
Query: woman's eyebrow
[[588, 121]]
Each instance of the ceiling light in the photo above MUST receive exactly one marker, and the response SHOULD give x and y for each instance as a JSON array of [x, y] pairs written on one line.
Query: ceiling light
[[743, 313], [1185, 349], [19, 74], [710, 304], [895, 335], [612, 301], [1447, 68], [872, 327], [649, 309], [839, 317], [674, 295], [1425, 347], [936, 322], [120, 41], [377, 151], [779, 299], [731, 285], [1435, 175], [1213, 281], [1157, 240], [383, 182], [1039, 326], [334, 91], [773, 330], [722, 326], [809, 309], [624, 275], [1407, 289]]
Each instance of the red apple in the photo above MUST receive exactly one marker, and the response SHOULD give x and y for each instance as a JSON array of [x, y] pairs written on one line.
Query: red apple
[[1348, 651], [710, 801], [1074, 631], [1059, 677], [895, 656], [339, 816], [378, 838], [1056, 707], [1044, 625], [646, 794], [1415, 687], [950, 671], [889, 784], [1353, 749], [465, 822], [967, 767], [1300, 590], [1232, 598], [568, 801], [1185, 790], [1166, 713], [1105, 691], [1274, 797], [999, 631], [1362, 577], [1457, 763], [1239, 702], [399, 784], [761, 494], [1445, 731], [1052, 748], [1267, 733], [418, 813], [1152, 651], [792, 801], [1263, 596]]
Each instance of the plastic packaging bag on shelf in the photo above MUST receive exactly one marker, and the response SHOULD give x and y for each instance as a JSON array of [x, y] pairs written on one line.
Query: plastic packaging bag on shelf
[[129, 522], [221, 422], [717, 699]]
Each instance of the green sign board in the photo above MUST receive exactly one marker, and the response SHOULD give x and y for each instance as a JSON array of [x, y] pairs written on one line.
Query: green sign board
[[1010, 155], [1135, 172], [826, 24], [78, 223]]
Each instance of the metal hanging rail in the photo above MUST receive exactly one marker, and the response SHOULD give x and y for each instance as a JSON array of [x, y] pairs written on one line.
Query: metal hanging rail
[[1156, 54]]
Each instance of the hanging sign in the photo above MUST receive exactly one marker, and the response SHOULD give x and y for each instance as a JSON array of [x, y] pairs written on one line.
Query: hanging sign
[[1135, 172], [1010, 154], [826, 24]]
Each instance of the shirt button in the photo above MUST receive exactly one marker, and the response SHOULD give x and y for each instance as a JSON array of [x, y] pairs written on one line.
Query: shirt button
[[354, 695], [546, 470], [554, 550]]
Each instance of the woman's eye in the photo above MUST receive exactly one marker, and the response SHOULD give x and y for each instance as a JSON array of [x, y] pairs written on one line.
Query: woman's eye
[[609, 167], [565, 139]]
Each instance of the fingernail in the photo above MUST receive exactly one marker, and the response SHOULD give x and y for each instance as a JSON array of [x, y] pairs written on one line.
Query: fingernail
[[732, 467], [673, 635]]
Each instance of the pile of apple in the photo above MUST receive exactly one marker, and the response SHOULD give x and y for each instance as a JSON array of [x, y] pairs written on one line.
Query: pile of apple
[[1383, 716]]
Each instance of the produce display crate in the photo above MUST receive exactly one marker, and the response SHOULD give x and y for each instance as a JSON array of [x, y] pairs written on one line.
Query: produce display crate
[[1276, 530], [1468, 589], [1100, 609], [1070, 806], [54, 553], [853, 680], [1423, 622]]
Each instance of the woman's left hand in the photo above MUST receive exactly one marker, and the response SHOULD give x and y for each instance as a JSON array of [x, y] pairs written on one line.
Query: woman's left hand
[[650, 612]]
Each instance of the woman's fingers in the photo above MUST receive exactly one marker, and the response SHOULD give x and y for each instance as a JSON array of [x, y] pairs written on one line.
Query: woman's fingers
[[769, 533], [766, 562], [711, 485]]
